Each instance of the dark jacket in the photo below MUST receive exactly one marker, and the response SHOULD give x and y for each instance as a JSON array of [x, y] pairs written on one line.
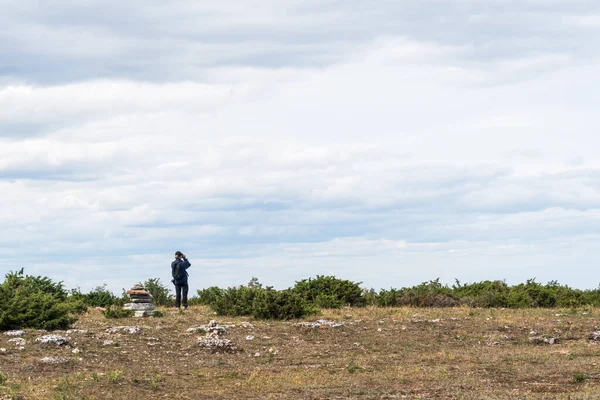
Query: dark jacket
[[183, 265]]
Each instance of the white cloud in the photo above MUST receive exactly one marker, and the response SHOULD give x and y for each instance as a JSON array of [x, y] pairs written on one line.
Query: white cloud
[[402, 158]]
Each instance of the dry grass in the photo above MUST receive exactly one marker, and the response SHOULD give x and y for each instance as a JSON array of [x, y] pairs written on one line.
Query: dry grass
[[378, 354]]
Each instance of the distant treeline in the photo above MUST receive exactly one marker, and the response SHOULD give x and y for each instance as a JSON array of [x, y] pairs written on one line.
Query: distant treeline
[[38, 302]]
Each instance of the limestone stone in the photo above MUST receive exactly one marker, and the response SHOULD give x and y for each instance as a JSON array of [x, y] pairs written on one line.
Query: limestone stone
[[53, 339], [144, 313], [14, 333], [139, 306], [141, 300], [132, 330], [135, 292]]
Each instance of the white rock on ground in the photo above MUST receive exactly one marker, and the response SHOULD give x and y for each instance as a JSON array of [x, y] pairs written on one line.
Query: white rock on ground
[[54, 360], [132, 330], [543, 340], [71, 331], [595, 336], [14, 333], [17, 341], [319, 323], [216, 344], [211, 328], [108, 343], [53, 339], [249, 337]]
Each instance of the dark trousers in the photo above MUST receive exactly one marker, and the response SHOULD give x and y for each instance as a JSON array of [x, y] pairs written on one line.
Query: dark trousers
[[178, 292]]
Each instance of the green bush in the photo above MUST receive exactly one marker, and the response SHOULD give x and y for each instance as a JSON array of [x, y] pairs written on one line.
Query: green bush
[[330, 292], [234, 301], [36, 302], [256, 301], [159, 292], [483, 294], [208, 296], [275, 304], [115, 312], [100, 296]]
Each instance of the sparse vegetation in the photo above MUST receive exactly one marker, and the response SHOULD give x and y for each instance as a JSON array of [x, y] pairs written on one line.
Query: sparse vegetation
[[579, 377], [379, 352], [115, 376]]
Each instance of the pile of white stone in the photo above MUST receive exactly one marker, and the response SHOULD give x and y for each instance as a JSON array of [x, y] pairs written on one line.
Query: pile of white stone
[[212, 340], [140, 302], [216, 344]]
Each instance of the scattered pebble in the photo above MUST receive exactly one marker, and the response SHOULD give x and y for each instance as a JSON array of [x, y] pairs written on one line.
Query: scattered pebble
[[247, 325], [71, 331], [321, 323], [54, 360], [249, 337], [543, 340], [132, 330], [2, 350], [108, 343], [256, 354], [75, 351]]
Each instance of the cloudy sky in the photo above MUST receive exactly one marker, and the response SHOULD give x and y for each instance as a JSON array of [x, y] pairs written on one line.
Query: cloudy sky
[[388, 142]]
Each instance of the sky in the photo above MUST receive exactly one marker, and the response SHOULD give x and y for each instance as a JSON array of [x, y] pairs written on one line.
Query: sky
[[384, 142]]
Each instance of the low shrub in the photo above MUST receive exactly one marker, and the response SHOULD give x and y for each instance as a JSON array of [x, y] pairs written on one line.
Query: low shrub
[[207, 296], [255, 301], [36, 302], [100, 296], [116, 312], [282, 305], [330, 292]]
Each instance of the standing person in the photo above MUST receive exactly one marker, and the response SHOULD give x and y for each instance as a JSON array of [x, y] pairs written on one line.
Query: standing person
[[180, 279]]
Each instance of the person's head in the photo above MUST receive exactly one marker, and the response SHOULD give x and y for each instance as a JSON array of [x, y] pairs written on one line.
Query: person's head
[[178, 254]]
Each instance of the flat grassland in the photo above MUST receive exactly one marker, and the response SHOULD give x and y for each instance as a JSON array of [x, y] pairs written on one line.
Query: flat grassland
[[379, 353]]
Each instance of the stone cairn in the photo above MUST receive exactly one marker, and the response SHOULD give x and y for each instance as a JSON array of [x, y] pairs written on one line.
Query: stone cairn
[[141, 301]]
